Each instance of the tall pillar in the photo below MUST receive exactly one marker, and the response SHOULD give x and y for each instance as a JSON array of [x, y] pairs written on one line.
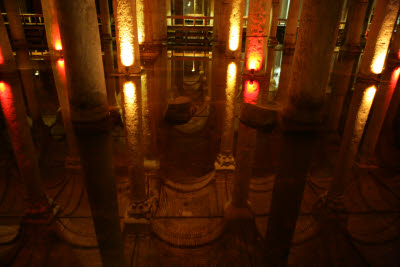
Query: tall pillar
[[258, 25], [288, 50], [348, 55], [220, 27], [23, 60], [13, 108], [106, 38], [367, 82], [144, 22], [90, 118], [160, 22], [301, 120], [225, 159], [130, 69], [388, 83], [235, 29], [57, 65]]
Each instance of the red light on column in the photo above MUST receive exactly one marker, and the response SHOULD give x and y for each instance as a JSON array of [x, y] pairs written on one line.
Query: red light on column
[[1, 57], [2, 87], [394, 78], [58, 45], [255, 53], [6, 100], [60, 63], [251, 89]]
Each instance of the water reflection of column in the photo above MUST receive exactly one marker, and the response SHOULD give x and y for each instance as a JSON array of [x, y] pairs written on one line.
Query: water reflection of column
[[225, 160], [288, 50], [348, 55], [23, 59], [301, 120], [12, 104], [89, 115], [57, 64], [234, 38], [371, 66], [389, 79]]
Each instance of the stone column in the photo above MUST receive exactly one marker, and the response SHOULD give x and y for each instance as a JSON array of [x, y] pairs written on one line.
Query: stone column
[[220, 25], [288, 50], [348, 55], [367, 82], [130, 70], [258, 24], [90, 118], [301, 120], [388, 83], [57, 65], [225, 159], [13, 108], [144, 22], [106, 38], [23, 60], [160, 22], [235, 29]]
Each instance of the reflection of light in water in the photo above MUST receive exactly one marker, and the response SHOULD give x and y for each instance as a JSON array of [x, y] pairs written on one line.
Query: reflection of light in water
[[140, 21], [235, 27], [363, 111], [251, 90], [57, 45], [394, 78], [60, 63], [126, 32], [277, 74], [145, 108], [7, 103], [131, 116], [230, 89], [1, 57]]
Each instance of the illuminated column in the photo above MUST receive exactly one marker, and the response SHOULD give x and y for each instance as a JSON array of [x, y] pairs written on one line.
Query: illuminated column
[[301, 121], [23, 60], [144, 22], [13, 108], [388, 83], [239, 208], [367, 82], [225, 159], [106, 38], [348, 55], [160, 22], [288, 50], [257, 36], [57, 64], [234, 38], [90, 118]]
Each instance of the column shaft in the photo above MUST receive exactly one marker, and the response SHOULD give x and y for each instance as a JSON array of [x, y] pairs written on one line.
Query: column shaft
[[12, 104], [90, 117], [367, 82], [235, 29], [57, 65], [106, 38], [382, 100], [288, 50], [319, 24], [348, 55], [22, 58]]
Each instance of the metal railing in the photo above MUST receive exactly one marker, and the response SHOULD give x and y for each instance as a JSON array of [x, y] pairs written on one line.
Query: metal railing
[[190, 21]]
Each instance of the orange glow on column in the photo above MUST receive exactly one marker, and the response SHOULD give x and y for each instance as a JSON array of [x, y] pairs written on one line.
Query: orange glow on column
[[60, 63], [255, 53], [58, 45], [126, 32], [1, 57], [7, 102], [394, 78], [140, 21], [235, 25], [2, 87], [251, 90]]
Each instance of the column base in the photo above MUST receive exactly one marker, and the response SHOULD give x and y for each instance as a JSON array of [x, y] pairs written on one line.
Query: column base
[[40, 213], [73, 164], [234, 213], [138, 215], [224, 161], [151, 164], [330, 207]]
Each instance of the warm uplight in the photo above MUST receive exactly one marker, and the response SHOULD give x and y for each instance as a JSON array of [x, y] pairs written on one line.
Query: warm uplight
[[251, 89], [57, 45], [1, 57], [255, 53], [363, 111], [129, 92], [140, 21], [60, 62], [378, 62], [369, 95], [7, 102], [230, 92], [2, 87], [235, 25], [126, 32], [131, 116]]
